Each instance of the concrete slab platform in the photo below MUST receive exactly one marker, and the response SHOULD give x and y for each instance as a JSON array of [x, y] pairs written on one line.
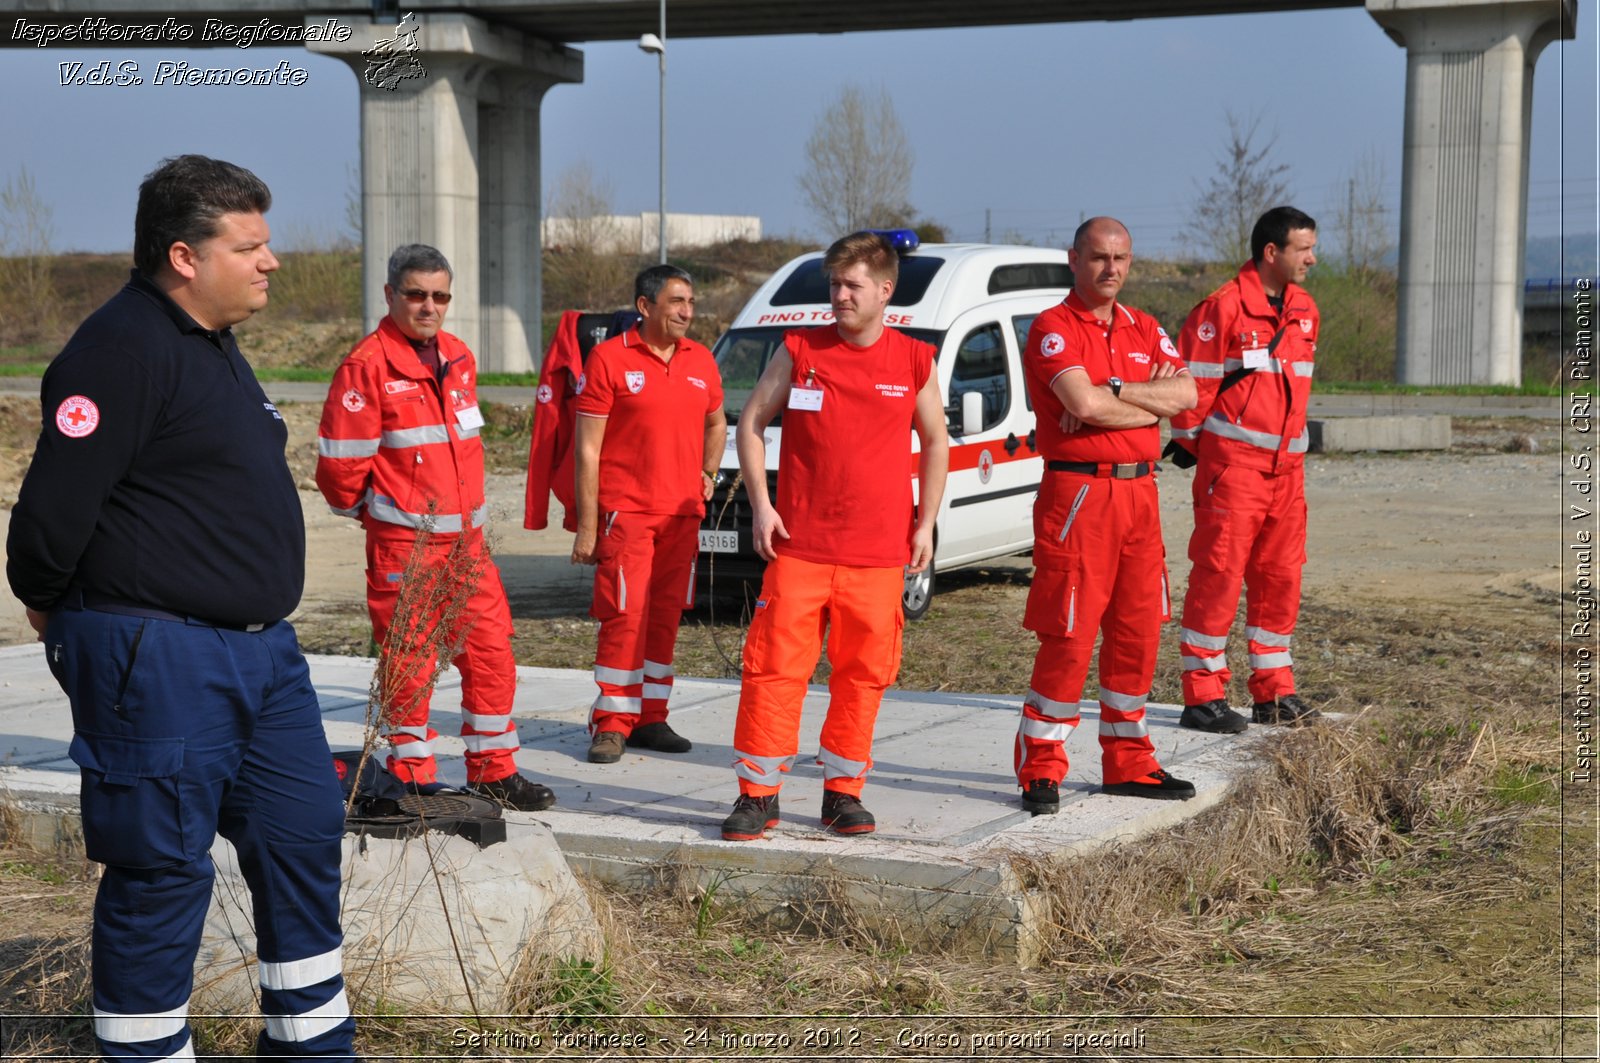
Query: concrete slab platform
[[942, 866], [1405, 432]]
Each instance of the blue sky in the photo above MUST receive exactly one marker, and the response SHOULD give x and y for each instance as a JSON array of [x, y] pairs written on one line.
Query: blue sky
[[1040, 125]]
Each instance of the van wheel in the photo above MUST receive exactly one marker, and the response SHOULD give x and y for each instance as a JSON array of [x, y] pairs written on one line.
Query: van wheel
[[918, 595]]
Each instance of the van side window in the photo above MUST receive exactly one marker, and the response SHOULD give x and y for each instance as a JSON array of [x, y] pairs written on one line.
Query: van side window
[[1022, 324], [981, 367]]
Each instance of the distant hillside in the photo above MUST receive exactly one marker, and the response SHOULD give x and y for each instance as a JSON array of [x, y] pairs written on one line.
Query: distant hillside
[[1544, 255]]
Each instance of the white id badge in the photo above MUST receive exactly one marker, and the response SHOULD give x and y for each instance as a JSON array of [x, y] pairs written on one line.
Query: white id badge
[[468, 418], [1257, 358], [803, 398]]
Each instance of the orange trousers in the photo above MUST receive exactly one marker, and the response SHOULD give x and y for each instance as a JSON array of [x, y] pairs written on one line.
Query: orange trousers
[[859, 608], [1101, 571], [1250, 529], [643, 581], [480, 639]]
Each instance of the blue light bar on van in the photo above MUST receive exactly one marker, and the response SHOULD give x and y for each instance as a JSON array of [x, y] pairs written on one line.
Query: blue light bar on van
[[904, 241]]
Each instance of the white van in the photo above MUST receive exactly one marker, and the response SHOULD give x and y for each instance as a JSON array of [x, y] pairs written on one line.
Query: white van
[[975, 304]]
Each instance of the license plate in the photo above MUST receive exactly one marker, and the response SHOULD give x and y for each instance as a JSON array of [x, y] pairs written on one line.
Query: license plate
[[718, 542]]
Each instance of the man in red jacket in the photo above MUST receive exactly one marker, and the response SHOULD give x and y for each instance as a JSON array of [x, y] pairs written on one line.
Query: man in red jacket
[[842, 535], [398, 449], [1101, 375], [650, 436], [1250, 346]]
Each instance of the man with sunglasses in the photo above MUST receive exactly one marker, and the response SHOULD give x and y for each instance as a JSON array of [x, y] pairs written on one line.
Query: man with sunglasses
[[399, 450]]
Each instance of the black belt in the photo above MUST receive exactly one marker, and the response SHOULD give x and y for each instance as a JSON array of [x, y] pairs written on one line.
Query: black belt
[[1130, 471], [78, 598]]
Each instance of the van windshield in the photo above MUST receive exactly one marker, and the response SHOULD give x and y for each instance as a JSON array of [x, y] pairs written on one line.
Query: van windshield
[[743, 353]]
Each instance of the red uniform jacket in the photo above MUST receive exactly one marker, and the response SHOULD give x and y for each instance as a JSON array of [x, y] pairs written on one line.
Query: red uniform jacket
[[550, 451], [398, 447], [1260, 422]]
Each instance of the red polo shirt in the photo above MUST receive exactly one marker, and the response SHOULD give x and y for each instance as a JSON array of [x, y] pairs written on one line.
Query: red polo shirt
[[844, 473], [1069, 338], [654, 447]]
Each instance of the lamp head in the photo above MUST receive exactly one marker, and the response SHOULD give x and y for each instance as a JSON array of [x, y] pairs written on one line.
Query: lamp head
[[649, 42]]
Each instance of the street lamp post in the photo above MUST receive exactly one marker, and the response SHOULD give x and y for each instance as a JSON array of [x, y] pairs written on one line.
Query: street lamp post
[[657, 43]]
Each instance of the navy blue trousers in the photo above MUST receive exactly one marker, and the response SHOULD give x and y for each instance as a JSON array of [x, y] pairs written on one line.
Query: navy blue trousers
[[184, 731]]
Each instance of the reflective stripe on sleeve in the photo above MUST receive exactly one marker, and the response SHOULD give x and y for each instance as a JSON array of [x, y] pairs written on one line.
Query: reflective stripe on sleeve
[[298, 974], [1303, 368], [1300, 443], [346, 448], [1186, 433]]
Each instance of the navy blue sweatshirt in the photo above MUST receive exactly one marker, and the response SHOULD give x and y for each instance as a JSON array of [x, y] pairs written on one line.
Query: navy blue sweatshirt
[[159, 477]]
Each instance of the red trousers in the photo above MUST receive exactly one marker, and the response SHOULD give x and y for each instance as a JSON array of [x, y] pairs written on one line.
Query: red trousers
[[1101, 570], [643, 582], [860, 609], [1249, 527], [411, 636]]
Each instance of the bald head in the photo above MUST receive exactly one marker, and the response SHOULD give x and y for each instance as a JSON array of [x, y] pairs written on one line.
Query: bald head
[[1098, 225], [1100, 256]]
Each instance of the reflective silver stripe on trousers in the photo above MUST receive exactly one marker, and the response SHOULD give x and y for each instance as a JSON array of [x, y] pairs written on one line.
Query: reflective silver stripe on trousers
[[420, 436], [1282, 659], [1060, 710], [298, 974], [1046, 730], [346, 448], [688, 595], [763, 771], [1265, 637], [657, 670], [309, 1024], [612, 703], [414, 732], [1203, 664], [1205, 642], [1072, 515], [1126, 729], [1220, 425], [836, 767], [411, 750], [622, 591], [485, 743], [658, 691], [131, 1029], [488, 722], [1207, 370], [1123, 702], [619, 677]]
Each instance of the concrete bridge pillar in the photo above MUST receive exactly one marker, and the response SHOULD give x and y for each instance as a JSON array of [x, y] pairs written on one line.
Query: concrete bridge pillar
[[450, 157], [1464, 182]]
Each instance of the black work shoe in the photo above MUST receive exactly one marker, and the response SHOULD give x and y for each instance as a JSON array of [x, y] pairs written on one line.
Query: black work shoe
[[750, 818], [659, 737], [1157, 784], [1214, 717], [1042, 797], [515, 791], [1287, 709], [606, 747], [843, 813]]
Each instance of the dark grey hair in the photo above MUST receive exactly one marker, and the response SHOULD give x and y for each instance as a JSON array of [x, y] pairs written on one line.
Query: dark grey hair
[[648, 284], [416, 258]]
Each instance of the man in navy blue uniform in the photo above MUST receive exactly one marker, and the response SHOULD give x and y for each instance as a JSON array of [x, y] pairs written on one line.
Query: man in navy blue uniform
[[158, 545]]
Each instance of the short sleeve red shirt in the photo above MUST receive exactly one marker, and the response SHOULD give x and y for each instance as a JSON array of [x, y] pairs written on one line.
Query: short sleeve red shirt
[[844, 473], [654, 448], [1069, 338]]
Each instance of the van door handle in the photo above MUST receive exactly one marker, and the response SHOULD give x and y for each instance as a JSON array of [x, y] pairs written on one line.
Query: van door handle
[[1012, 446], [1032, 440]]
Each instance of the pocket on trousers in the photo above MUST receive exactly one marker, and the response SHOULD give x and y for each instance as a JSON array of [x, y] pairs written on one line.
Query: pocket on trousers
[[758, 640], [133, 811]]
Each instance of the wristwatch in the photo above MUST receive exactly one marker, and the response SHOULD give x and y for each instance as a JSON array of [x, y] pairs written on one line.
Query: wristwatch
[[1116, 386]]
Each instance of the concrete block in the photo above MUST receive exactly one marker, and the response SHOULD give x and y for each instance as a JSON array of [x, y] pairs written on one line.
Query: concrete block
[[507, 905], [1414, 432]]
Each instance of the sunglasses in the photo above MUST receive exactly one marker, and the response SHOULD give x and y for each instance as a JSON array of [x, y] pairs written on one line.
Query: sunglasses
[[416, 296]]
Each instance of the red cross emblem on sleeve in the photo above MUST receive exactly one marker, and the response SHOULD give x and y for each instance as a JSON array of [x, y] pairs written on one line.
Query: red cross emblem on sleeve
[[77, 416]]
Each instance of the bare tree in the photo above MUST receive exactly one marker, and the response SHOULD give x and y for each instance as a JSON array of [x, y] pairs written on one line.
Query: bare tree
[[27, 269], [584, 268], [1361, 221], [858, 162], [1246, 185]]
